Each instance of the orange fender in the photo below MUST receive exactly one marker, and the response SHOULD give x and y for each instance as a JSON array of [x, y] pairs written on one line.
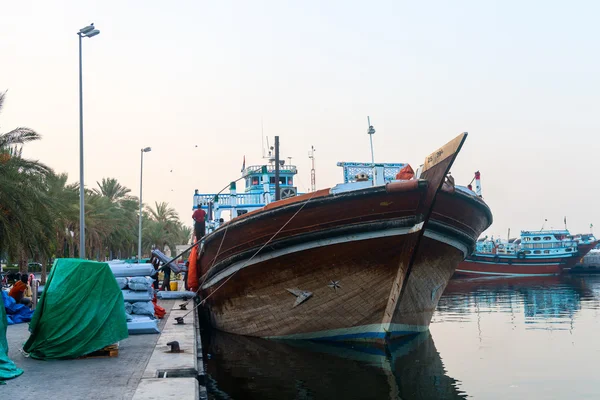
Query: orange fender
[[192, 277]]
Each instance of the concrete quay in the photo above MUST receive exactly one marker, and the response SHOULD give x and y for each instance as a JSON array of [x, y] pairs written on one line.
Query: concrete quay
[[144, 369]]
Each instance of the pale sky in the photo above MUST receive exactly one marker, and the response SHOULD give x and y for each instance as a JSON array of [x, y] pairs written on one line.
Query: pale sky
[[520, 77]]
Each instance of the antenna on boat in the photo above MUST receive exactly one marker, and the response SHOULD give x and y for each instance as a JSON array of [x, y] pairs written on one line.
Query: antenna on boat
[[371, 132], [277, 167], [311, 155], [544, 224]]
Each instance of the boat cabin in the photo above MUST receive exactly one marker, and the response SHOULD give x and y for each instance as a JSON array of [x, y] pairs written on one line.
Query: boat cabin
[[259, 191], [547, 243]]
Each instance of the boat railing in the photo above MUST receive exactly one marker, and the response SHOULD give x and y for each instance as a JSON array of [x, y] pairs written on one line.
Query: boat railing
[[270, 169], [551, 245], [352, 169], [227, 199]]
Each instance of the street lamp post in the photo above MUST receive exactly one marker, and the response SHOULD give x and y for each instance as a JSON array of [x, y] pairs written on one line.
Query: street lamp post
[[89, 31], [144, 150]]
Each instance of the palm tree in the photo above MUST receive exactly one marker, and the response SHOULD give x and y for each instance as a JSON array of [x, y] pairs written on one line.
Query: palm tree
[[122, 214], [25, 214], [17, 136], [164, 213], [39, 211], [112, 189]]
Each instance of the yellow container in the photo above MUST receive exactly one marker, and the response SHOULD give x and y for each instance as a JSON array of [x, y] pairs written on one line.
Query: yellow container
[[174, 286]]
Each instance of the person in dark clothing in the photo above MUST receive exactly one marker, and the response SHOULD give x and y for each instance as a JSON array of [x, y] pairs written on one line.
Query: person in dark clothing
[[199, 225], [167, 279], [185, 276], [155, 263]]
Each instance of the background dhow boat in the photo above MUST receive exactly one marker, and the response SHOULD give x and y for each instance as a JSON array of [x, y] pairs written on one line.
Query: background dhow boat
[[363, 260], [535, 253]]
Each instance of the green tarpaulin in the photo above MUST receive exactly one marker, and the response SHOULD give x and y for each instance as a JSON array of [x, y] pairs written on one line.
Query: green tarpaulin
[[8, 370], [80, 311]]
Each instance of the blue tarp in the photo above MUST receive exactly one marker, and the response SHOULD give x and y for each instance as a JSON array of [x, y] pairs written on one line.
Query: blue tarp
[[15, 313]]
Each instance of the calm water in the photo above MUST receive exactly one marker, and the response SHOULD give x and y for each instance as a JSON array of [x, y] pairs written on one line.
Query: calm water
[[533, 338]]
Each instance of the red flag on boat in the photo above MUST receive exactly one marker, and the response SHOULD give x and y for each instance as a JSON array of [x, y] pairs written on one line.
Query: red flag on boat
[[406, 173]]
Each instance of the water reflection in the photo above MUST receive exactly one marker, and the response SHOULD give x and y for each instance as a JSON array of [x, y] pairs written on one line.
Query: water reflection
[[553, 299], [521, 338], [250, 368], [495, 338]]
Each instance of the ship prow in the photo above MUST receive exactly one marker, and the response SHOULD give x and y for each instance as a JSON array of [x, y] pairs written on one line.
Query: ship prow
[[368, 262]]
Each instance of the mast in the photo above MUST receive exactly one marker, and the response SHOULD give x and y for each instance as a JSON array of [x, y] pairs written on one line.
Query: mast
[[277, 194], [371, 132], [313, 183]]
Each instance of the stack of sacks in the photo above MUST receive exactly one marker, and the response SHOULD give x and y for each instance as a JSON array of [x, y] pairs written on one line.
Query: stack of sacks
[[136, 286]]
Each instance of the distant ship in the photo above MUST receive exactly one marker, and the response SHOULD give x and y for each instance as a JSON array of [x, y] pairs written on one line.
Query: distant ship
[[535, 253], [367, 259]]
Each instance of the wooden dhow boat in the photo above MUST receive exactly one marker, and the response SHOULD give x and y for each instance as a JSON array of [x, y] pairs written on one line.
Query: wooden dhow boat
[[535, 253], [360, 261]]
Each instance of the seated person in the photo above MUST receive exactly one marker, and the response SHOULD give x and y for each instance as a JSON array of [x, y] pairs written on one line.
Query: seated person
[[18, 291]]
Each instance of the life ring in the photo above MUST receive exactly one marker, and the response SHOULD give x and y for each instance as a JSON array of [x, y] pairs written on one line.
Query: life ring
[[500, 246], [521, 255]]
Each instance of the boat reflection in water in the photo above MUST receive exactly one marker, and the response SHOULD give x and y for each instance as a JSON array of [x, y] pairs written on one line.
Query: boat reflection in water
[[254, 368], [541, 299], [521, 338]]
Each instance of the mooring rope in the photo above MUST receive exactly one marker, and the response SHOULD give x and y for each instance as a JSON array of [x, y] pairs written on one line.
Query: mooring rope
[[203, 277], [254, 255], [197, 241]]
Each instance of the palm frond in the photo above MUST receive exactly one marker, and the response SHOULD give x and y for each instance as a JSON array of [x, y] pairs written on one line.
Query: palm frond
[[19, 135]]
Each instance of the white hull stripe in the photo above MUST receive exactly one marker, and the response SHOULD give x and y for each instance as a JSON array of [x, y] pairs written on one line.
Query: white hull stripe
[[357, 332], [448, 240], [502, 273], [328, 242]]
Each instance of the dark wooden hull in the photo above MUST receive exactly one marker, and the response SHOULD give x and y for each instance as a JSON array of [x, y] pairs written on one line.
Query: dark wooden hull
[[457, 220], [368, 264], [363, 259]]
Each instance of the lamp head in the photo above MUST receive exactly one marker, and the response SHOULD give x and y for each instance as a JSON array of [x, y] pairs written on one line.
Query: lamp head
[[93, 33], [87, 29]]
